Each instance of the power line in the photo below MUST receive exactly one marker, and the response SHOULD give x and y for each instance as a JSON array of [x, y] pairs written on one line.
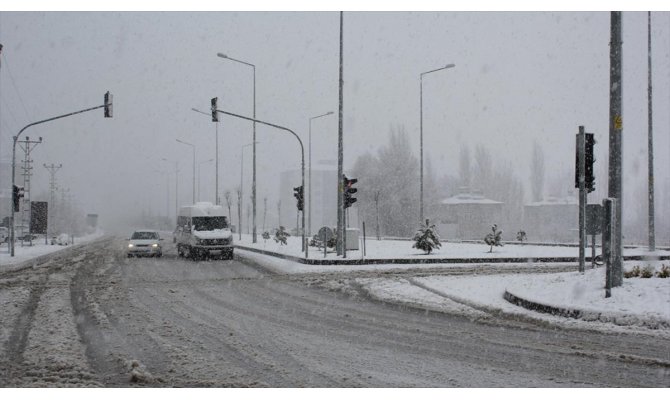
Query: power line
[[11, 78]]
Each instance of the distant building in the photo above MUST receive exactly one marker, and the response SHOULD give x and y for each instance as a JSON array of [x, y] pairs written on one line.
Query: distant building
[[553, 220], [467, 216]]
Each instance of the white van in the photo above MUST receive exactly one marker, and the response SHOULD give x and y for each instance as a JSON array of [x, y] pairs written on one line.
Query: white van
[[203, 230]]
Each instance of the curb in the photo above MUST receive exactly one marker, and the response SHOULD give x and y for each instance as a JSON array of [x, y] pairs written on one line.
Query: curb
[[590, 316], [374, 261]]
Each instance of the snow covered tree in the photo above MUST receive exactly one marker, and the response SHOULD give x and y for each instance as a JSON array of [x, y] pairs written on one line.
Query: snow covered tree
[[281, 235], [494, 238], [521, 236], [266, 236], [427, 238]]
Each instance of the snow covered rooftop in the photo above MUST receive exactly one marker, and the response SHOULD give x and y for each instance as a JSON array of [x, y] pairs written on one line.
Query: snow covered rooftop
[[469, 198]]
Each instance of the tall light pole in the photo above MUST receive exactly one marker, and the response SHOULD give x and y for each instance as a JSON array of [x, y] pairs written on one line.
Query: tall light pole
[[421, 134], [253, 187], [193, 147], [199, 180], [216, 168], [242, 174], [650, 156], [309, 179], [176, 186]]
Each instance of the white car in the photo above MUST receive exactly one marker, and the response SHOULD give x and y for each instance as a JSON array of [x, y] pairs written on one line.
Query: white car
[[145, 242]]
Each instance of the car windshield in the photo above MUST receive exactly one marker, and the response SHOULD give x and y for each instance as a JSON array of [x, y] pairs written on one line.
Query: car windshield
[[209, 223], [144, 235]]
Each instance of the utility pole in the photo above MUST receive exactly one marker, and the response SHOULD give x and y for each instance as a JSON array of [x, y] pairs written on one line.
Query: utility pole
[[27, 146], [52, 198], [615, 143], [650, 156], [341, 241]]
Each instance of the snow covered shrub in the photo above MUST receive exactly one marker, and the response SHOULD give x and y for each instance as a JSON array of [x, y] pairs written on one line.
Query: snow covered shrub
[[647, 272], [664, 272], [521, 236], [494, 238], [635, 272], [427, 238], [266, 235], [281, 235]]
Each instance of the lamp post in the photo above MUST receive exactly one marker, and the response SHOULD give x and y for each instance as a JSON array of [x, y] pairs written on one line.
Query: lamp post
[[216, 168], [305, 248], [199, 180], [192, 146], [176, 186], [242, 175], [253, 187], [421, 134], [309, 179]]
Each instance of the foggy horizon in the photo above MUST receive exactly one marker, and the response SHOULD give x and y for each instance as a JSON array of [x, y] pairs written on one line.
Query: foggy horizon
[[518, 77]]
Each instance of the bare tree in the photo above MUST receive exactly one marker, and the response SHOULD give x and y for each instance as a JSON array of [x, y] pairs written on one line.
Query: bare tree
[[228, 196], [265, 210], [239, 211], [464, 166], [537, 173]]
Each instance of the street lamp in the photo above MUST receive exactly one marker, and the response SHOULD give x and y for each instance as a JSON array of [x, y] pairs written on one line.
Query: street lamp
[[216, 175], [199, 180], [421, 133], [253, 187], [193, 146], [242, 175], [309, 179], [176, 186]]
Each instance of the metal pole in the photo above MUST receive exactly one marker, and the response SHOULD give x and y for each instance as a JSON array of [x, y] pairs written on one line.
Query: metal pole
[[253, 189], [421, 147], [216, 178], [340, 153], [652, 233], [615, 142], [421, 135], [194, 174], [581, 146]]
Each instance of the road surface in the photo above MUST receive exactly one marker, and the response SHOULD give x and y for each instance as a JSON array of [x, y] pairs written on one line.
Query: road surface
[[101, 319]]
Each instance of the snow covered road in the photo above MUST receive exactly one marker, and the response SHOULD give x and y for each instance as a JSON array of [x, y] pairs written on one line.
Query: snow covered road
[[101, 319]]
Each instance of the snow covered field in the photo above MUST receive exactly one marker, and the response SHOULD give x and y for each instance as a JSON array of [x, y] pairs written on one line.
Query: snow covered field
[[639, 304], [403, 249], [24, 253]]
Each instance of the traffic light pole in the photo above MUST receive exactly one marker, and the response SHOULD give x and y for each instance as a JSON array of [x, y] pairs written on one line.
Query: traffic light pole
[[581, 160], [16, 138], [302, 152]]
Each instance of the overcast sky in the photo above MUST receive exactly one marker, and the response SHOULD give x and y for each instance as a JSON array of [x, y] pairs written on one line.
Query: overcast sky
[[519, 76]]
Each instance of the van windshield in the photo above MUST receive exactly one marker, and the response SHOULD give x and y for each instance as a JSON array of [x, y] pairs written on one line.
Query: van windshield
[[209, 223]]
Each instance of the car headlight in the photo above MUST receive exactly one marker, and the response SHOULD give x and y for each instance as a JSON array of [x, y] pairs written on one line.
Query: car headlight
[[154, 245], [130, 245]]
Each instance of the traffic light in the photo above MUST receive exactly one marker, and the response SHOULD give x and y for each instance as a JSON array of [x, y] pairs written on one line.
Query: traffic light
[[348, 191], [215, 117], [108, 105], [588, 153], [17, 195], [300, 196]]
